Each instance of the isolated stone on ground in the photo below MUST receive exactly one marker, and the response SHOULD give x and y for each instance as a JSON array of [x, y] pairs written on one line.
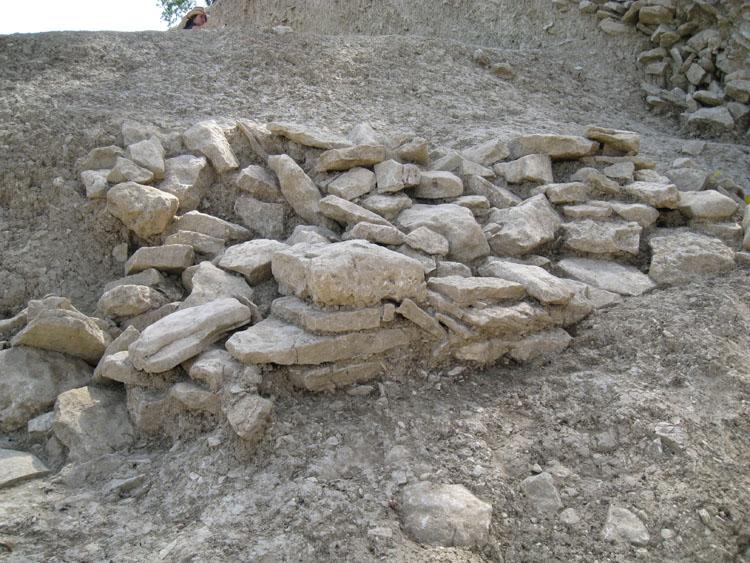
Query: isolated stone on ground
[[144, 210], [352, 273], [69, 332], [610, 276], [31, 381], [18, 466], [249, 416], [687, 256], [299, 190], [520, 229], [541, 493], [447, 515], [207, 138], [186, 333], [92, 421], [186, 177], [624, 526], [457, 224]]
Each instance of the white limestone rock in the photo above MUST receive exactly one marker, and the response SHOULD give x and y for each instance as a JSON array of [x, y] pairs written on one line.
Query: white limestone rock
[[352, 273], [202, 244], [216, 366], [428, 241], [186, 177], [95, 182], [413, 312], [457, 224], [497, 196], [208, 139], [592, 210], [353, 183], [351, 157], [119, 344], [531, 168], [624, 526], [718, 118], [264, 219], [31, 381], [16, 467], [621, 172], [248, 416], [687, 256], [212, 226], [468, 291], [537, 282], [144, 210], [100, 158], [208, 283], [627, 142], [186, 333], [521, 229], [654, 194], [446, 515], [148, 153], [69, 332], [522, 318], [610, 276], [276, 341], [600, 237], [348, 213], [328, 378], [92, 422], [378, 234], [387, 207], [125, 170], [571, 192], [306, 316], [258, 182], [708, 205], [438, 185], [392, 176], [687, 179], [195, 398], [550, 342], [557, 147], [487, 153], [130, 300], [252, 259], [643, 214], [173, 258], [118, 367], [299, 190], [311, 137], [541, 493]]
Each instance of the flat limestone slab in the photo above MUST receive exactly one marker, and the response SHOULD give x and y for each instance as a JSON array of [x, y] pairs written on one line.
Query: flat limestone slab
[[275, 341], [610, 276], [19, 466]]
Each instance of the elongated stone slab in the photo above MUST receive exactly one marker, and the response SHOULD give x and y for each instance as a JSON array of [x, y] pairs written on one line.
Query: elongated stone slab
[[351, 157], [610, 276], [327, 378], [275, 341], [308, 136], [515, 319], [352, 273], [599, 237], [348, 213], [308, 317], [654, 194], [537, 282], [186, 333], [469, 291], [558, 147]]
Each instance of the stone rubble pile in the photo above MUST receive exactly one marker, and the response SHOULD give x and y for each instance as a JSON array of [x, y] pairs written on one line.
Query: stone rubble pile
[[698, 66], [350, 255]]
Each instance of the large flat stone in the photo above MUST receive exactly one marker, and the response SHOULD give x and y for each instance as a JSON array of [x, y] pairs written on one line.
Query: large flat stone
[[558, 147], [473, 290], [603, 237], [512, 319], [252, 259], [309, 136], [278, 342], [537, 282], [208, 283], [19, 466], [654, 194], [610, 276], [173, 258], [348, 213], [351, 273], [186, 333], [312, 319], [706, 205], [688, 256], [212, 226]]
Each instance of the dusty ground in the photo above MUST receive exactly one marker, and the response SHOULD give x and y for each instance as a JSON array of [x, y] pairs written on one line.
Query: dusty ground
[[324, 484]]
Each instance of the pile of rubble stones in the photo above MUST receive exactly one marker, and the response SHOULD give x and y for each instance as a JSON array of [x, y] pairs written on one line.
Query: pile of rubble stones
[[345, 254]]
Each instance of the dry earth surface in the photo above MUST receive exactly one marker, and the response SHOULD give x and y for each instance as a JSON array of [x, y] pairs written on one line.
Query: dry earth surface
[[325, 483]]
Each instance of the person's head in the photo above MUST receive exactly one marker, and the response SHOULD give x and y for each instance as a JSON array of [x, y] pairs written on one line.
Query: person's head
[[196, 18]]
